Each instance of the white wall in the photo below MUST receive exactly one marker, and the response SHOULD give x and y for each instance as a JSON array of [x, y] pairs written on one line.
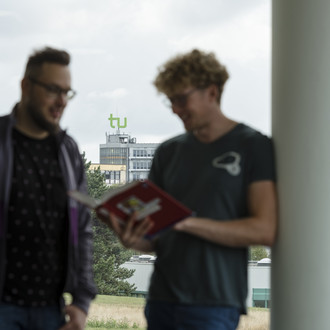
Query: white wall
[[142, 274], [258, 277]]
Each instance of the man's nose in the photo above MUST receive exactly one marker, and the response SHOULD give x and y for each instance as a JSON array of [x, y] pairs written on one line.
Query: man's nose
[[176, 109]]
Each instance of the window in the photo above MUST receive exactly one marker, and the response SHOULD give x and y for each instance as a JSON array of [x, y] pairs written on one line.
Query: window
[[136, 176], [114, 156], [141, 165], [261, 298], [140, 153]]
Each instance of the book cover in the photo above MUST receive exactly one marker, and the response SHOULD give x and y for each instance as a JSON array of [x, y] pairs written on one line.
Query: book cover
[[142, 197]]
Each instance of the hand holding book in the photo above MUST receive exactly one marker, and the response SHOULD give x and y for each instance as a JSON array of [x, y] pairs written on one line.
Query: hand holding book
[[131, 233], [141, 198]]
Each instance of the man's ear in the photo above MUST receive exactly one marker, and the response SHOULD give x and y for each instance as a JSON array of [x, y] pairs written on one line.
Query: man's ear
[[25, 83], [214, 92], [26, 86]]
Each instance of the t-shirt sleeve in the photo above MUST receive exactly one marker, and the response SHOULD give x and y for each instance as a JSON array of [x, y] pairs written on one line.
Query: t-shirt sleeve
[[261, 160]]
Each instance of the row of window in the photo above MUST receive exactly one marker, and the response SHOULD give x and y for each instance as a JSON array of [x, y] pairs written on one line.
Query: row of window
[[118, 156], [139, 176], [112, 175], [142, 165], [113, 152], [122, 152], [113, 161], [143, 153]]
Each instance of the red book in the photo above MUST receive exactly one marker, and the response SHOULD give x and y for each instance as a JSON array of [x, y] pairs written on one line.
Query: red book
[[142, 197]]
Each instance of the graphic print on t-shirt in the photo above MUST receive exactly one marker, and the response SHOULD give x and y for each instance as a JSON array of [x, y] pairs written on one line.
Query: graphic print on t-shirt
[[228, 161]]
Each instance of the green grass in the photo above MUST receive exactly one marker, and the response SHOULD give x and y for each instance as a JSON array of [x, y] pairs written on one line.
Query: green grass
[[114, 300], [111, 323]]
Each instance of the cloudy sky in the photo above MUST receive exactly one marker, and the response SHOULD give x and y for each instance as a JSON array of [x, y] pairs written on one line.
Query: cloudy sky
[[116, 48]]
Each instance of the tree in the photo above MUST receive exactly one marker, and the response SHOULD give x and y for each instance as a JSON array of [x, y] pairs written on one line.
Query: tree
[[96, 185], [109, 254], [257, 253]]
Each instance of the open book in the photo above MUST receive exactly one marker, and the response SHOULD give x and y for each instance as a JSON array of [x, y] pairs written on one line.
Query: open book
[[142, 197]]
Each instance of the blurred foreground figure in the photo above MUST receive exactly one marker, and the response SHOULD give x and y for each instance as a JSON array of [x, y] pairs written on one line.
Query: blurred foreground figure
[[45, 237], [224, 171]]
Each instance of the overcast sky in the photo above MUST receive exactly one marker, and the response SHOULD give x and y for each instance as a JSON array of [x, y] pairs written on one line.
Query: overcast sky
[[116, 48]]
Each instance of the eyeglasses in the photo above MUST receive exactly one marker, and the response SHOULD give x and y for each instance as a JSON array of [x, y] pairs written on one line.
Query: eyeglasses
[[179, 100], [54, 90]]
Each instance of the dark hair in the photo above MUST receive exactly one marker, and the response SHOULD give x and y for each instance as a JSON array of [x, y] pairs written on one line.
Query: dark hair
[[47, 54]]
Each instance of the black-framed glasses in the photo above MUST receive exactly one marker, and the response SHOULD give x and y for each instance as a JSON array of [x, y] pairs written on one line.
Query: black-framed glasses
[[54, 90], [179, 100]]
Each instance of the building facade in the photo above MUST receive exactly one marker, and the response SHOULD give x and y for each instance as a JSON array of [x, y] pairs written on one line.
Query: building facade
[[114, 174], [122, 150]]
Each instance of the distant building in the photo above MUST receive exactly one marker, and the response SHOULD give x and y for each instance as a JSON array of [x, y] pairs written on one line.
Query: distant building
[[114, 174], [258, 279], [132, 158]]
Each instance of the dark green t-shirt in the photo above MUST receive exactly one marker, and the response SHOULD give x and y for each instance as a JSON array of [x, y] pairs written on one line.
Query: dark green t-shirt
[[212, 179]]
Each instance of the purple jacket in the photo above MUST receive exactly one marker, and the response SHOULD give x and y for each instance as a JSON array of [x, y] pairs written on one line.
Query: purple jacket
[[79, 278]]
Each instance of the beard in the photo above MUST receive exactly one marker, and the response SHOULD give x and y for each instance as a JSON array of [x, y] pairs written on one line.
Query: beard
[[40, 121]]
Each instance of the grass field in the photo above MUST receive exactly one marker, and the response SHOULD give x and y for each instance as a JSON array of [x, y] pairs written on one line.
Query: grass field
[[110, 312]]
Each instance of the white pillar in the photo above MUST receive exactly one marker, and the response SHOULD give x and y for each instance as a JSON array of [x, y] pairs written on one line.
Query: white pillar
[[301, 130]]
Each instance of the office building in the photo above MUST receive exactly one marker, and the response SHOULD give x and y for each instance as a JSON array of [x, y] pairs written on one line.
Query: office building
[[122, 159]]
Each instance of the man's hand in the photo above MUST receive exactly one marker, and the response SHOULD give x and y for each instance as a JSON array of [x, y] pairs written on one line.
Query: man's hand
[[131, 233], [77, 318]]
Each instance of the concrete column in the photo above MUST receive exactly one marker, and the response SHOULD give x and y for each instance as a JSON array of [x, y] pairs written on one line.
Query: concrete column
[[301, 130]]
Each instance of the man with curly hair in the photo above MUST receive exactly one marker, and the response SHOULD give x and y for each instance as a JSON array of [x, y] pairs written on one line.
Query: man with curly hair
[[224, 171]]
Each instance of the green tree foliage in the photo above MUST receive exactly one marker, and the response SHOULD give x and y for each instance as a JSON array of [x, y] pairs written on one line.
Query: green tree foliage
[[257, 253], [109, 254], [109, 277], [96, 185]]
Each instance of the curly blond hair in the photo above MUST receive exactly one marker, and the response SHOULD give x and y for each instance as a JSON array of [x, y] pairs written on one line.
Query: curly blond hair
[[196, 68]]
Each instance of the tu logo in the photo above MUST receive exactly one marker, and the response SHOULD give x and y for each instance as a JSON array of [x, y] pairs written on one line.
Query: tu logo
[[112, 119]]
